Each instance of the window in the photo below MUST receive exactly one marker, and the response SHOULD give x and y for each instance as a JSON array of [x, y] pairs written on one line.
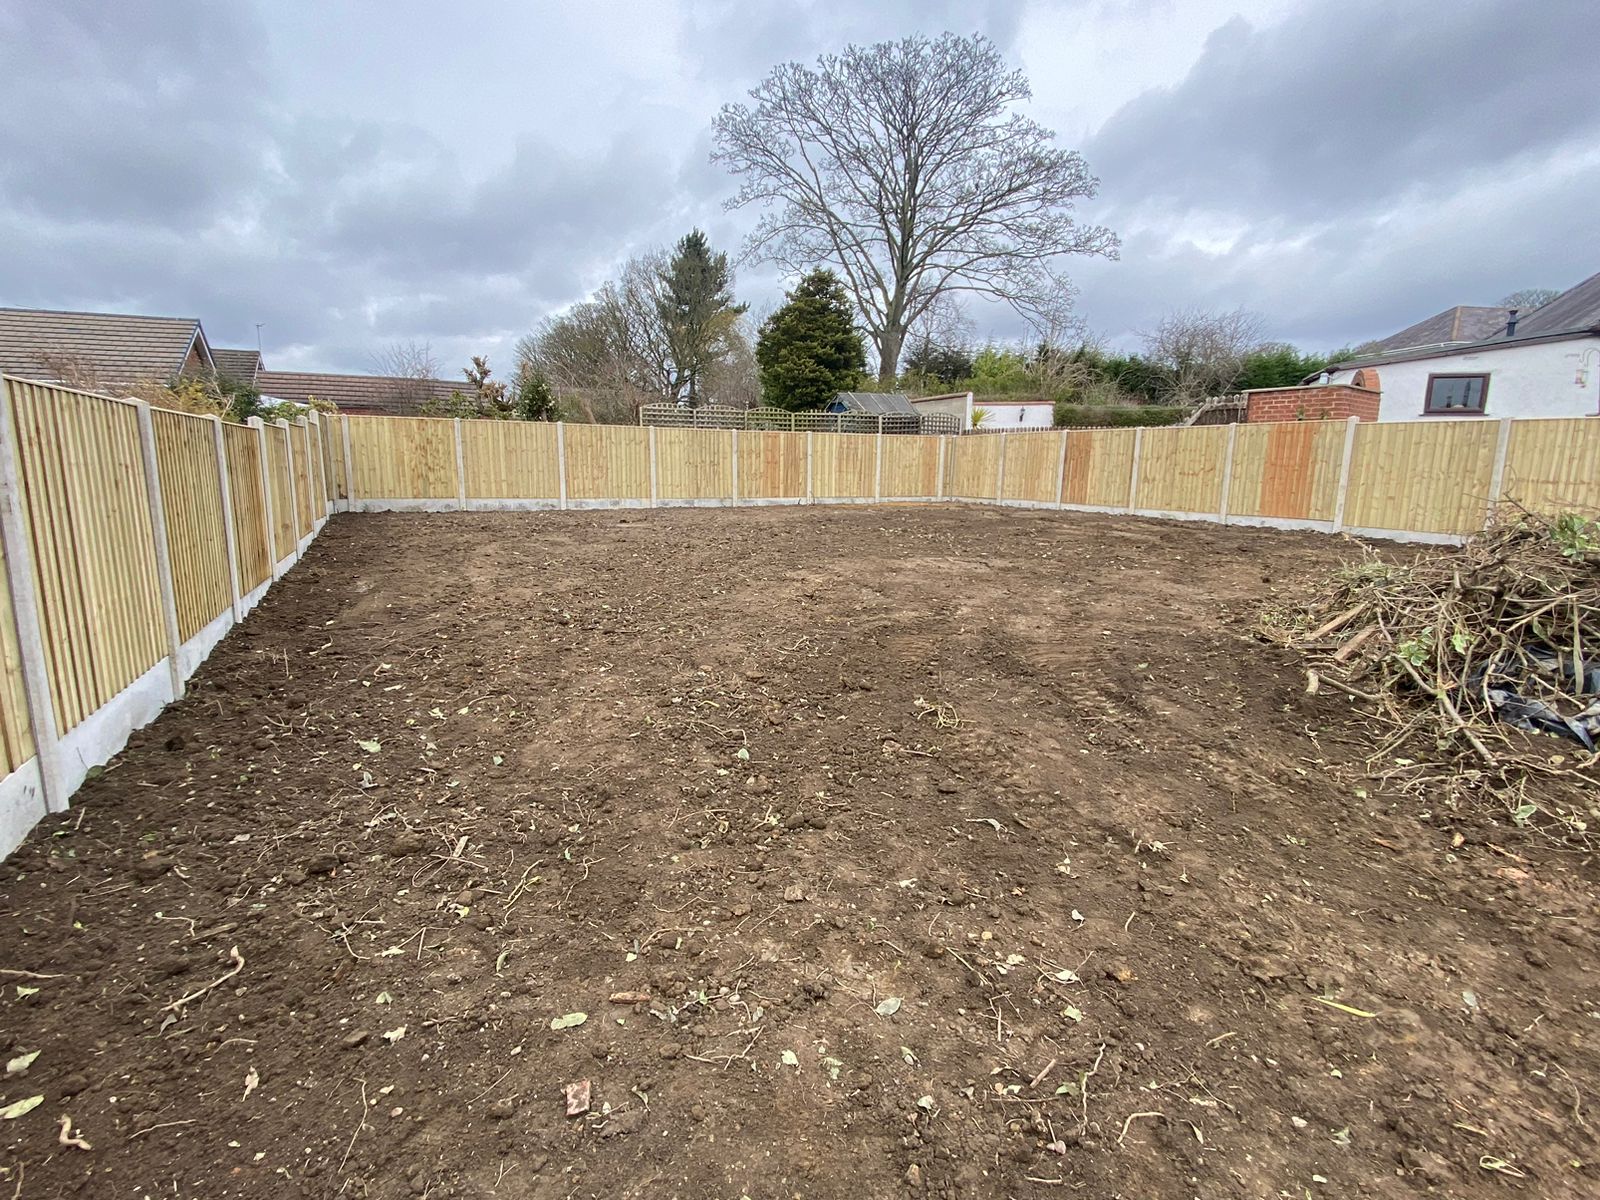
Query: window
[[1457, 395]]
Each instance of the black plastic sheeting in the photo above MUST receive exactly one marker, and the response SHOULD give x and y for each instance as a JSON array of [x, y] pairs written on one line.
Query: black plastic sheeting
[[1544, 671]]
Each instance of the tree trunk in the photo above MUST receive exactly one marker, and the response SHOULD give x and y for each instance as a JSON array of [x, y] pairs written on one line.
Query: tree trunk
[[890, 343]]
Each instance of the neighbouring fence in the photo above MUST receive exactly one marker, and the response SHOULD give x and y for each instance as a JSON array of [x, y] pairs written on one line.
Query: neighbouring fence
[[711, 416], [1423, 480], [133, 538]]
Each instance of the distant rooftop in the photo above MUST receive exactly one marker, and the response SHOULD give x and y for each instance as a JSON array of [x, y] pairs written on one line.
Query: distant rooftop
[[873, 403], [1463, 323], [368, 394], [108, 350]]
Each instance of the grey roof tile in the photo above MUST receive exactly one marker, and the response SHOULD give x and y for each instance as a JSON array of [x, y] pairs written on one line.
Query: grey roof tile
[[112, 349]]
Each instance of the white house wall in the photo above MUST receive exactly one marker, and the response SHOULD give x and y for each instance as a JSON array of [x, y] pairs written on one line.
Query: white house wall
[[1018, 416], [1546, 379]]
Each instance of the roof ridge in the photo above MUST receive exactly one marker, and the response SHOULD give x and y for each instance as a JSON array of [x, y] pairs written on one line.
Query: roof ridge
[[84, 312]]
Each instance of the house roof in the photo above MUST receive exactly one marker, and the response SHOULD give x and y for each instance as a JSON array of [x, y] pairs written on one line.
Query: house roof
[[1463, 323], [875, 403], [362, 394], [237, 364], [1575, 310], [98, 349]]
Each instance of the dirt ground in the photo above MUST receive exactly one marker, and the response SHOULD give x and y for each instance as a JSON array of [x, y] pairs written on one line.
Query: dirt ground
[[890, 852]]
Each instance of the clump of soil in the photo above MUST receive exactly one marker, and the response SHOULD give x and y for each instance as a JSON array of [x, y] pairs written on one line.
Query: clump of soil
[[828, 852]]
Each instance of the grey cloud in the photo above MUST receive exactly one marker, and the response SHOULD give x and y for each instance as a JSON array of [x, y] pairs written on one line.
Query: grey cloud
[[1345, 106]]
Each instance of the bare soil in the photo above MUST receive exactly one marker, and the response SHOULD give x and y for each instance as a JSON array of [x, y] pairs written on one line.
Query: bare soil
[[896, 851]]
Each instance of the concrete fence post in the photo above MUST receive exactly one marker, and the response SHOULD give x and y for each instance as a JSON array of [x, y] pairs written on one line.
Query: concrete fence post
[[349, 465], [158, 534], [1344, 472], [230, 532], [561, 464], [1133, 474], [461, 469], [877, 461], [25, 613], [1000, 469], [938, 483], [1227, 472], [1497, 473], [655, 483], [1061, 469], [810, 495]]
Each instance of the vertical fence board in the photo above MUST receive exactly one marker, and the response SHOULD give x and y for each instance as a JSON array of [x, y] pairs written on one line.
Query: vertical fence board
[[910, 466], [1421, 476], [607, 462], [283, 519], [304, 498], [510, 460], [16, 730], [186, 458], [1554, 465], [1099, 467], [1033, 462], [694, 464], [254, 558], [1181, 470], [772, 466], [844, 465], [82, 481]]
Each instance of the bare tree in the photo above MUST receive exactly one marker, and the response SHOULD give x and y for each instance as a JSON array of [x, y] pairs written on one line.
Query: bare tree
[[1530, 298], [1201, 351], [902, 164], [413, 368]]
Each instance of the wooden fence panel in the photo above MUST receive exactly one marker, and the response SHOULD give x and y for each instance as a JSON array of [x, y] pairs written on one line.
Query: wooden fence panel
[[1287, 469], [910, 466], [1554, 465], [772, 466], [16, 729], [972, 466], [304, 502], [191, 499], [1099, 467], [88, 520], [844, 465], [332, 445], [405, 458], [283, 537], [1033, 466], [694, 464], [607, 462], [254, 557], [510, 460], [1421, 476], [315, 459], [1181, 470]]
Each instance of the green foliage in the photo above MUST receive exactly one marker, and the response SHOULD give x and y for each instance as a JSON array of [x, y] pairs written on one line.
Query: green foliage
[[930, 366], [810, 349], [997, 370], [1277, 365], [1069, 416], [696, 309], [1575, 536], [534, 400], [484, 399]]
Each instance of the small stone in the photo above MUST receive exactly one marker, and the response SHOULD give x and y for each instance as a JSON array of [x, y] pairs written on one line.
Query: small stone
[[502, 1110], [948, 787], [577, 1097], [71, 1085], [794, 893], [914, 1176], [147, 869], [408, 843], [356, 1038], [1119, 971], [322, 864]]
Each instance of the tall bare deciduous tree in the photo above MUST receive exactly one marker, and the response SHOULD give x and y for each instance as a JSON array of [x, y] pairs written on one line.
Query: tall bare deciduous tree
[[904, 165], [412, 367], [1201, 352]]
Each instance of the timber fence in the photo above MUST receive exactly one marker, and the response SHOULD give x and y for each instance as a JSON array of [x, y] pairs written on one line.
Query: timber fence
[[135, 538]]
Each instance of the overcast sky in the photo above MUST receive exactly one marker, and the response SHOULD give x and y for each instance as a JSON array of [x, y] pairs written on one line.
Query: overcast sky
[[354, 174]]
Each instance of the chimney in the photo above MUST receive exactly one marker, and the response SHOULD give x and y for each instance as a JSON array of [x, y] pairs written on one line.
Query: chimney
[[1511, 322]]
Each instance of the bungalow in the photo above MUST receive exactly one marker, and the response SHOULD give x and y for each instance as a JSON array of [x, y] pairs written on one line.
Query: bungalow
[[1544, 364], [101, 351]]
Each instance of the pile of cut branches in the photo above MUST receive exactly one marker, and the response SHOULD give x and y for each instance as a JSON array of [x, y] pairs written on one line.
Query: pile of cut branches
[[1479, 663]]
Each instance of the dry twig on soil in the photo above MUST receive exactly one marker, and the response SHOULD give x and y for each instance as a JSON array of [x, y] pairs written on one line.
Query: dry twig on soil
[[1470, 658]]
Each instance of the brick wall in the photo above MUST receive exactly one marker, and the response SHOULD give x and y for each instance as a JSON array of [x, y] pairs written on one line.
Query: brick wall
[[1324, 402]]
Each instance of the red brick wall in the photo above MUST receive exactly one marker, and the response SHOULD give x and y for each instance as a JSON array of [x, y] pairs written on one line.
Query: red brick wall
[[1325, 402]]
